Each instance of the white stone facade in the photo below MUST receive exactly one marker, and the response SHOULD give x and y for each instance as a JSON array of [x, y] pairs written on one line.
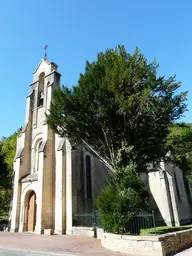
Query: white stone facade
[[170, 195]]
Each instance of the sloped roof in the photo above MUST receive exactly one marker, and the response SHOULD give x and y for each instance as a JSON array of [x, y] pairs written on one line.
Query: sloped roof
[[47, 62], [30, 177]]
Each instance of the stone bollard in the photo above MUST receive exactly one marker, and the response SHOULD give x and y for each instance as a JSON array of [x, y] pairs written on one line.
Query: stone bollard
[[48, 232]]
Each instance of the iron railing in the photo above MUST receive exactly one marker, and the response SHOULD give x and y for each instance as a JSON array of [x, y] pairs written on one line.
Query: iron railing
[[86, 219], [142, 223]]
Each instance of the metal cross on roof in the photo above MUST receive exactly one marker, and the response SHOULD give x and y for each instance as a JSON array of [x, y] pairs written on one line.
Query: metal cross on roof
[[45, 48]]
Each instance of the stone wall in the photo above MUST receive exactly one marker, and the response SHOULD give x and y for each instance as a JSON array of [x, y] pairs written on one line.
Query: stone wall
[[175, 242], [163, 245], [83, 231], [135, 245], [88, 231]]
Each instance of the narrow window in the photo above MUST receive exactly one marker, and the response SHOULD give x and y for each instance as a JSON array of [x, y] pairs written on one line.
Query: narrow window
[[36, 158], [177, 188], [32, 99], [88, 177], [41, 90], [38, 152]]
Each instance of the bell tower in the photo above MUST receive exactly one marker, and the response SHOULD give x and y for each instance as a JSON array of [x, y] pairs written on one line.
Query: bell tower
[[39, 161], [45, 79]]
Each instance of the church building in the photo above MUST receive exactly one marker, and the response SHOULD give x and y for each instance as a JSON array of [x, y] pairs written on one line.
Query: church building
[[54, 179]]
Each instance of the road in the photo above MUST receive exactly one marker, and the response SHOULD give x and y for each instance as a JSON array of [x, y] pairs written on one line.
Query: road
[[18, 252]]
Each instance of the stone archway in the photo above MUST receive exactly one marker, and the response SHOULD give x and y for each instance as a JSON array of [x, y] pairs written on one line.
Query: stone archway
[[31, 211]]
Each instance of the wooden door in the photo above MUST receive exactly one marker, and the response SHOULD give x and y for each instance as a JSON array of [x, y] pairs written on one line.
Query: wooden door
[[31, 211]]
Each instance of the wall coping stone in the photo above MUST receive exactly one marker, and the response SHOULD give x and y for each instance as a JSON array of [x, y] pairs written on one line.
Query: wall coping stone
[[146, 238], [83, 228], [172, 234]]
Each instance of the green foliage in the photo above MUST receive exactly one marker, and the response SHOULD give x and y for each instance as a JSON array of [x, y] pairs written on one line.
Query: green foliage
[[4, 172], [9, 148], [119, 100], [179, 143], [7, 153], [119, 202], [5, 195]]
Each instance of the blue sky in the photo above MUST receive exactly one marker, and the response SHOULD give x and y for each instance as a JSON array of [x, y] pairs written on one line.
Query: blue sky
[[76, 30]]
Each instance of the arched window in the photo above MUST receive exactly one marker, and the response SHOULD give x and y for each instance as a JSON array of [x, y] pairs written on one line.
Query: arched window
[[41, 90], [38, 152], [88, 176], [36, 163]]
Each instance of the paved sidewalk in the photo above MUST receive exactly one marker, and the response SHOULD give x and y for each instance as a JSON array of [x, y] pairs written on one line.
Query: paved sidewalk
[[59, 245], [185, 253]]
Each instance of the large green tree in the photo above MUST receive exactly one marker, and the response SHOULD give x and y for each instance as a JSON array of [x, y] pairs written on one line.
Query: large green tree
[[119, 100]]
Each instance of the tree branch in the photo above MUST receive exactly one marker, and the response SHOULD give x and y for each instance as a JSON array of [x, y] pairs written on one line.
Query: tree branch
[[111, 168]]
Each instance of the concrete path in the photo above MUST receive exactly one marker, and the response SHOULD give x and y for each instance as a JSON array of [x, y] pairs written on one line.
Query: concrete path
[[22, 244]]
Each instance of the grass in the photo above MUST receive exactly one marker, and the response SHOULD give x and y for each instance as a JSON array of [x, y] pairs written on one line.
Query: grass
[[163, 230]]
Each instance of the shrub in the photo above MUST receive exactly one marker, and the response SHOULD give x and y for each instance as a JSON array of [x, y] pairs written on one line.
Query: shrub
[[121, 199]]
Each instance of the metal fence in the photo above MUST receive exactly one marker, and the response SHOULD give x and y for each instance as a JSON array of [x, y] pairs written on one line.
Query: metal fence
[[86, 220], [141, 224]]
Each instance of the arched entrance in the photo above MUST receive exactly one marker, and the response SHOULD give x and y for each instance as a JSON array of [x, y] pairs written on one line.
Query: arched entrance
[[31, 212]]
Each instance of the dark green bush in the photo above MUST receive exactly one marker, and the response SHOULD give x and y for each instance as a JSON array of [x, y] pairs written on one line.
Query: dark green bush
[[120, 200]]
